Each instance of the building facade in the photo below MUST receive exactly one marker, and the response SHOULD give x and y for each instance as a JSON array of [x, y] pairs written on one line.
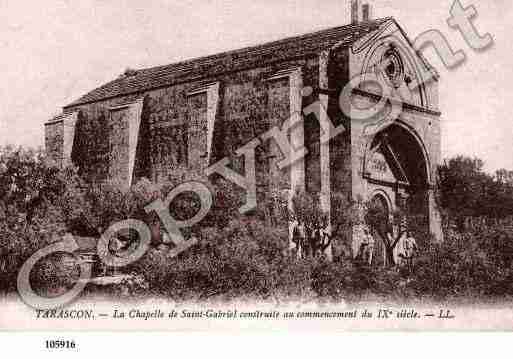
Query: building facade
[[189, 115]]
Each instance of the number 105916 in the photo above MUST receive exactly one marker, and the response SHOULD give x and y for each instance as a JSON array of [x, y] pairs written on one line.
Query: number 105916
[[60, 344]]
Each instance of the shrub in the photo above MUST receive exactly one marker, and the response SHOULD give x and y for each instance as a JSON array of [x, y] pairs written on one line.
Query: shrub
[[55, 274], [90, 208], [246, 259], [28, 219], [353, 281], [19, 240], [236, 256], [472, 264]]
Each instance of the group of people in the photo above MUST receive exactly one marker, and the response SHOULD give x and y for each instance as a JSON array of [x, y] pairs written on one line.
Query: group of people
[[311, 242], [365, 242]]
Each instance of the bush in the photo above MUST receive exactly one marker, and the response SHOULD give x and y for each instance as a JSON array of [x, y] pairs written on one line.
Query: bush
[[28, 219], [353, 281], [19, 240], [245, 260], [250, 260], [55, 275], [236, 257], [474, 264]]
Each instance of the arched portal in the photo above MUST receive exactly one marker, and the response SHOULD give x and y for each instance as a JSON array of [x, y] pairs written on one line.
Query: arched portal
[[397, 164]]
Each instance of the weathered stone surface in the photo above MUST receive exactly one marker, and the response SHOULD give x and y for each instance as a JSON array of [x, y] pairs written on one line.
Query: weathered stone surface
[[192, 124]]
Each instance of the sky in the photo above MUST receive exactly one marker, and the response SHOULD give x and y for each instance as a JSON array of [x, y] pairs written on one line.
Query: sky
[[54, 51]]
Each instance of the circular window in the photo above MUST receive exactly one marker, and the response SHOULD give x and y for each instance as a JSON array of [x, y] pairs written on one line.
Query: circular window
[[393, 67]]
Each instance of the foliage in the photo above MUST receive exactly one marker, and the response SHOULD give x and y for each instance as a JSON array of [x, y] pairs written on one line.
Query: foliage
[[55, 274], [245, 259], [248, 256], [250, 260], [27, 182], [20, 239], [466, 190], [28, 219], [90, 150], [90, 208], [474, 264], [390, 230], [353, 281]]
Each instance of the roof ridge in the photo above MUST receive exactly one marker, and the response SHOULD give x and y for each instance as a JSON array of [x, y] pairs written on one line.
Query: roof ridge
[[144, 79], [379, 21]]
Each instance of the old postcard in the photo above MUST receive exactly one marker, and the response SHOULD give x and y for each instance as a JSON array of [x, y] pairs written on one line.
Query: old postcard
[[338, 165]]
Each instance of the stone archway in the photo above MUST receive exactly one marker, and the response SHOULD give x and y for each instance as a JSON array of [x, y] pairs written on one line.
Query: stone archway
[[396, 163]]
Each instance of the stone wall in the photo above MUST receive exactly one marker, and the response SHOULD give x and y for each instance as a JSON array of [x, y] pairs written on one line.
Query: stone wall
[[118, 135], [54, 132], [174, 124]]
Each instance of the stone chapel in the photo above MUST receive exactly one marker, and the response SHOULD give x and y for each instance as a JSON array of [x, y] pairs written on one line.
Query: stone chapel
[[149, 122]]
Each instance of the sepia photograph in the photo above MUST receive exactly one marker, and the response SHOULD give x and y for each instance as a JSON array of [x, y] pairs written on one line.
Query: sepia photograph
[[329, 166]]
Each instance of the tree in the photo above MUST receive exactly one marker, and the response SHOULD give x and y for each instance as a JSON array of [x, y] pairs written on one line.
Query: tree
[[27, 182], [390, 230], [466, 190], [29, 221], [461, 184]]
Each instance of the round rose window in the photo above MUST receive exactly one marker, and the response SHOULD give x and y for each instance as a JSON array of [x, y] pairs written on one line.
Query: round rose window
[[393, 67]]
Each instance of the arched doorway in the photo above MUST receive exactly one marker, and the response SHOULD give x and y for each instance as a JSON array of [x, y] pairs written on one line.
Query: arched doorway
[[396, 165]]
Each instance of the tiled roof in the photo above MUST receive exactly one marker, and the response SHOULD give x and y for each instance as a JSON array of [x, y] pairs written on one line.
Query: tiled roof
[[58, 118], [293, 47]]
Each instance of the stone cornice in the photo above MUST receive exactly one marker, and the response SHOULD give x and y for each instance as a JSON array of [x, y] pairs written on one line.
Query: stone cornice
[[377, 98], [406, 105]]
